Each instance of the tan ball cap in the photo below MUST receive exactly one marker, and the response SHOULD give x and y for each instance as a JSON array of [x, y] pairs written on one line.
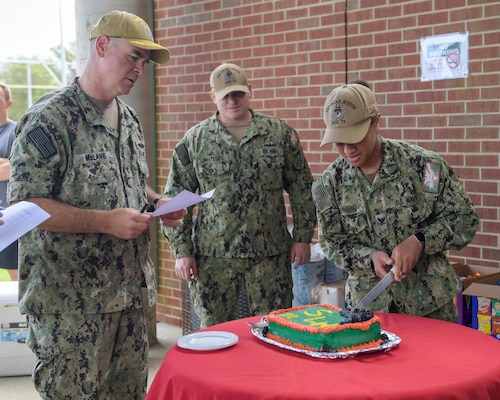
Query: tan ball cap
[[133, 29], [227, 78], [347, 113]]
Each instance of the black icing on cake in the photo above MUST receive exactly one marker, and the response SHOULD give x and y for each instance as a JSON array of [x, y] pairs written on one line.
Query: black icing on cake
[[355, 315]]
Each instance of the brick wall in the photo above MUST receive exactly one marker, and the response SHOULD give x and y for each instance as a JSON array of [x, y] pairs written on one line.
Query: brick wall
[[296, 51]]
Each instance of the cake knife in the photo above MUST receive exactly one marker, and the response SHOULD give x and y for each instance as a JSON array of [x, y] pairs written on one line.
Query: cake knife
[[375, 292]]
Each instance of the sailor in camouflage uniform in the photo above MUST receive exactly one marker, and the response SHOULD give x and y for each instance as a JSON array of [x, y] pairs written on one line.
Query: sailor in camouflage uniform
[[388, 203], [80, 155], [240, 236]]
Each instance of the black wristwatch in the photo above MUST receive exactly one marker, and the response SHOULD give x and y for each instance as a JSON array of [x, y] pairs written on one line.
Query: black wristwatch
[[420, 237], [155, 201]]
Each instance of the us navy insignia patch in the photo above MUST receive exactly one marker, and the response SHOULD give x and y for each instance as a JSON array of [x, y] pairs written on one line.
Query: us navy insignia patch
[[431, 177]]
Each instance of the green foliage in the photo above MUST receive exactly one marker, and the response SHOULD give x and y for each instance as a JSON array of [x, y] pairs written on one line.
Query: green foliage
[[31, 78]]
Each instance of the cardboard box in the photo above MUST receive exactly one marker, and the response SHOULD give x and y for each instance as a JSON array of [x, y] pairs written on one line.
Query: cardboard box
[[485, 299], [468, 274], [16, 358]]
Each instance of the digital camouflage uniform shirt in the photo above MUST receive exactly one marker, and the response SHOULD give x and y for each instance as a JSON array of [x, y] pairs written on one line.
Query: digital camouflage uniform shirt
[[246, 217], [67, 151], [414, 189]]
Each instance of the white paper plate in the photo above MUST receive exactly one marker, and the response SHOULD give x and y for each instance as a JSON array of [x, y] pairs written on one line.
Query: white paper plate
[[208, 340]]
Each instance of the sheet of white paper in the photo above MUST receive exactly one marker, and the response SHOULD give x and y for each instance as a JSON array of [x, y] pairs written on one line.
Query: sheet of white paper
[[183, 200], [19, 219]]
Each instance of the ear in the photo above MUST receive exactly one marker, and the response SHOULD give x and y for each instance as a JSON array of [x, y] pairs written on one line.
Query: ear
[[212, 96], [102, 43]]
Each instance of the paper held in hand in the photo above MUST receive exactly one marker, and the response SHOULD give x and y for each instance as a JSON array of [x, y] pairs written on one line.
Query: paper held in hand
[[183, 200], [19, 219]]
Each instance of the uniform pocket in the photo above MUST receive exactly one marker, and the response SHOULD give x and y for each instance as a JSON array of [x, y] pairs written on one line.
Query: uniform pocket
[[97, 183], [96, 175], [212, 168], [271, 165], [383, 222], [52, 350], [355, 221]]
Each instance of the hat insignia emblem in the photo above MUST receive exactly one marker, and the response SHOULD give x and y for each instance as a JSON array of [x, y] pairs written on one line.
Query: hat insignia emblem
[[229, 76], [338, 115], [148, 30], [145, 27]]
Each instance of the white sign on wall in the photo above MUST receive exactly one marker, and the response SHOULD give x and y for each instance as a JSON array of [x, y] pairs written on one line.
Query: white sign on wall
[[444, 56]]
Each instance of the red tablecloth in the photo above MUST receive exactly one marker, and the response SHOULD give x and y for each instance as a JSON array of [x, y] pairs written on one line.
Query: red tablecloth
[[435, 360]]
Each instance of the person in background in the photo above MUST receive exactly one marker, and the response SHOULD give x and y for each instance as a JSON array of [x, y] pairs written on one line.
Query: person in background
[[387, 203], [239, 236], [8, 256], [79, 153]]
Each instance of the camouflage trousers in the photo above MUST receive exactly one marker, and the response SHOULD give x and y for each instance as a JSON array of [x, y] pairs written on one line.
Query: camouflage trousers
[[98, 356], [267, 280], [448, 312]]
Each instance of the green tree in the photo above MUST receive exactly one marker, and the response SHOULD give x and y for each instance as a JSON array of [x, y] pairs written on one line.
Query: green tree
[[31, 78], [70, 61]]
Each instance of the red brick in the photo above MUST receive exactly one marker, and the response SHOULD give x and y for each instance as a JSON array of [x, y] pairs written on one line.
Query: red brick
[[295, 52]]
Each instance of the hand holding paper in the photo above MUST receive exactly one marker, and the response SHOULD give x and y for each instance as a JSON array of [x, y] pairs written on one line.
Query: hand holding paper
[[183, 200], [19, 219]]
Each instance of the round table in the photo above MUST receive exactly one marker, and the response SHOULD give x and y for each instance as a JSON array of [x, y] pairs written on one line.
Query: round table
[[435, 360]]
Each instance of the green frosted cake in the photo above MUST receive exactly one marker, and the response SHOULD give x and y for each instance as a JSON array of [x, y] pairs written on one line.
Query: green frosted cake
[[323, 327]]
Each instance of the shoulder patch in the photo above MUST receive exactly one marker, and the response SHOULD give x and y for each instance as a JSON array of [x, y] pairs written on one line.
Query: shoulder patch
[[183, 154], [42, 142], [432, 177], [294, 138], [321, 198]]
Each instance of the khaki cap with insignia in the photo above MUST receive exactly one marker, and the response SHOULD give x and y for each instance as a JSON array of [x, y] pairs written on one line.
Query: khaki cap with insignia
[[347, 113], [133, 29], [227, 78]]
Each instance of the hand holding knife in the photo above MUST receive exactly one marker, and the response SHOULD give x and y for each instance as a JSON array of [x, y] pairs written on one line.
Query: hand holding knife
[[377, 290]]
